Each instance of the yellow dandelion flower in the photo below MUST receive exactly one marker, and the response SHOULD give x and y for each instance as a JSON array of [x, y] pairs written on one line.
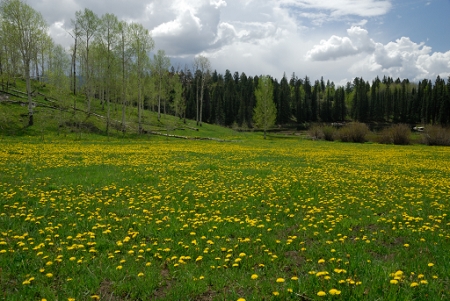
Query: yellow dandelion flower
[[140, 274], [280, 280], [320, 261], [49, 275], [95, 297], [430, 264], [275, 293], [295, 278], [334, 291], [254, 276], [394, 281], [423, 282], [414, 284], [321, 294], [119, 267]]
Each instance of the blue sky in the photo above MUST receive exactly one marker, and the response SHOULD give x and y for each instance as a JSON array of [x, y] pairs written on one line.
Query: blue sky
[[336, 39]]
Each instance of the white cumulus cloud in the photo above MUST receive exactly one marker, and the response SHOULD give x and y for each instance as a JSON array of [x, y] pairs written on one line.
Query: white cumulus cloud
[[337, 47]]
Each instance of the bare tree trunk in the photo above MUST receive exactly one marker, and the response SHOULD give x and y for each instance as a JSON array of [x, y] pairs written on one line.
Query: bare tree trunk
[[139, 108], [159, 100], [30, 101], [197, 104], [74, 64], [201, 99]]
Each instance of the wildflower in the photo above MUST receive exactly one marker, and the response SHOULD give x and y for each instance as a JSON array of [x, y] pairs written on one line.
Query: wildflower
[[414, 284], [119, 267], [280, 280], [321, 294], [95, 297], [321, 261], [140, 274], [290, 290], [49, 275], [394, 281], [430, 264], [275, 293], [334, 291], [254, 276], [241, 299], [295, 278]]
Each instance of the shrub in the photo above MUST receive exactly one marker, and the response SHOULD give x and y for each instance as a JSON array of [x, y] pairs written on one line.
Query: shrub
[[397, 134], [329, 133], [354, 132], [316, 133], [436, 135]]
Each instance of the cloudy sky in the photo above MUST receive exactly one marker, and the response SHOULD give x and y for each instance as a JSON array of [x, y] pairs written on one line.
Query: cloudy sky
[[336, 39]]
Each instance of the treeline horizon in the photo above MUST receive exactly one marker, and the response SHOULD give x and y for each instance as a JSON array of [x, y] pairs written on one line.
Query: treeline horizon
[[109, 62]]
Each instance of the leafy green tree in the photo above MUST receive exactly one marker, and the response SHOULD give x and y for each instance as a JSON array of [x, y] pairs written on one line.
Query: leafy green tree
[[124, 54], [159, 67], [108, 37], [203, 66], [265, 113], [23, 28], [178, 101], [141, 43], [88, 24], [58, 77]]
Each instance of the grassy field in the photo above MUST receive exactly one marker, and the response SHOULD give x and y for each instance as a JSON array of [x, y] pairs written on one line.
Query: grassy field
[[282, 219]]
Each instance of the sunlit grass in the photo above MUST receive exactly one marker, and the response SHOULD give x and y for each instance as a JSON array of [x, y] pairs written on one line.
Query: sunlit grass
[[201, 220]]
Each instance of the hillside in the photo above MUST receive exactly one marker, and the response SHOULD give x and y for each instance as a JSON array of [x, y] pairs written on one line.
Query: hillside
[[66, 114]]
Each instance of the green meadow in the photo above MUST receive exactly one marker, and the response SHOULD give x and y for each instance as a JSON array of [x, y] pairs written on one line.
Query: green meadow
[[244, 219]]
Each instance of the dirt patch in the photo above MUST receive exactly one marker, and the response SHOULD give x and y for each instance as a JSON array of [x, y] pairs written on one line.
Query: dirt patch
[[209, 295], [383, 257], [106, 291], [164, 286]]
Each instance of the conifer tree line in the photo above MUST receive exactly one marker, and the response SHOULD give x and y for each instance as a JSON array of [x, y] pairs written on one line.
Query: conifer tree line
[[109, 63]]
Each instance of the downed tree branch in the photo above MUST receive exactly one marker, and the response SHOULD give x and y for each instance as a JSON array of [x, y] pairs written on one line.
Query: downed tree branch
[[191, 128], [187, 138]]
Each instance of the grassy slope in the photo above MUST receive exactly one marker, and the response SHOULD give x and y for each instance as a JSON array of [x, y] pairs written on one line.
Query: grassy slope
[[50, 121]]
